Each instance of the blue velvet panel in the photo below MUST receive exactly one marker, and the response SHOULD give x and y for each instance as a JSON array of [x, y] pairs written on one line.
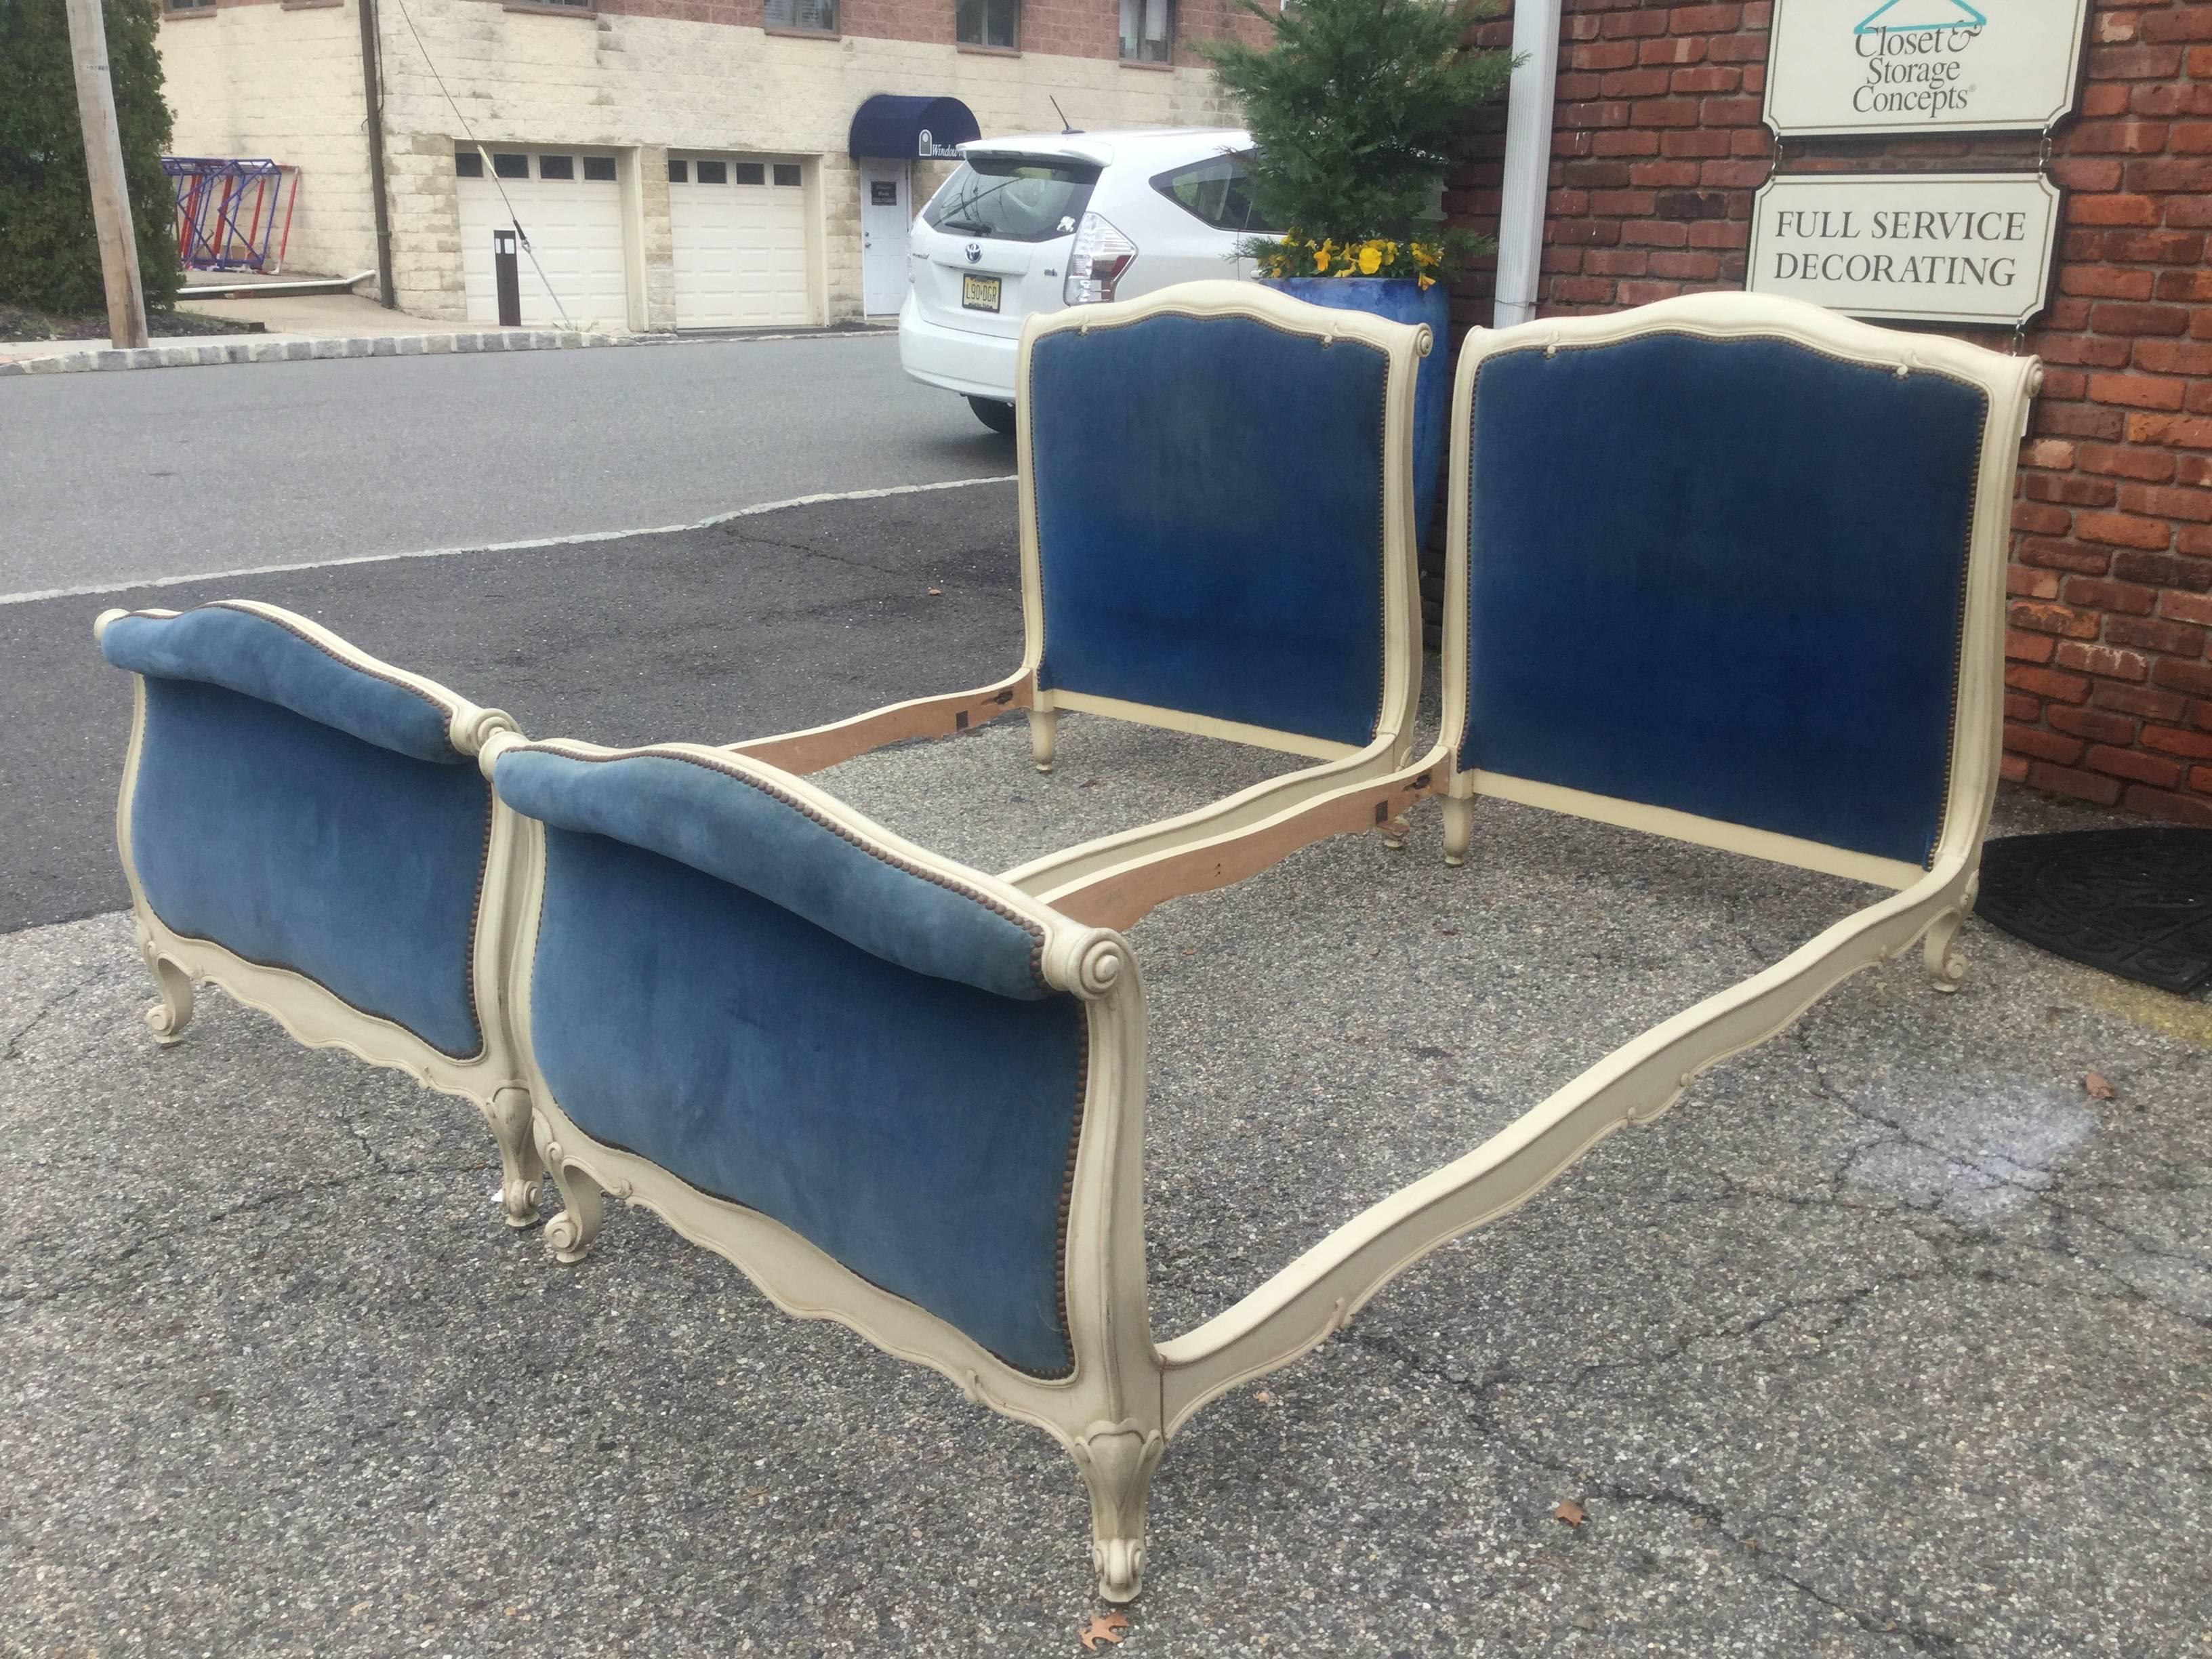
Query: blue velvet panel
[[917, 1129], [1209, 520], [1723, 577], [265, 660], [1401, 300], [724, 825], [299, 847]]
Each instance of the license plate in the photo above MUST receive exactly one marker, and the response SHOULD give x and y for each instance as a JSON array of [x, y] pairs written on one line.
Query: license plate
[[979, 293]]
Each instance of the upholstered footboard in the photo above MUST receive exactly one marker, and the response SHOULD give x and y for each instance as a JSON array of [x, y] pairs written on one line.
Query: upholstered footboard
[[306, 827], [897, 1092]]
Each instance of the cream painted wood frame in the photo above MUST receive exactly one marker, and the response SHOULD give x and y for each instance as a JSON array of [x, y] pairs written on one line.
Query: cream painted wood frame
[[492, 1078], [1315, 1294], [1114, 880]]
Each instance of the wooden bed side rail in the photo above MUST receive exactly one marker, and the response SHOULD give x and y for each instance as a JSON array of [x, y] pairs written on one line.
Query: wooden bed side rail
[[1114, 881], [816, 747], [1300, 1307]]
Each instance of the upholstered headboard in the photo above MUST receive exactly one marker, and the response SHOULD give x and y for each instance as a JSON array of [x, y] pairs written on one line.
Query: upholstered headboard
[[1212, 524], [1718, 561]]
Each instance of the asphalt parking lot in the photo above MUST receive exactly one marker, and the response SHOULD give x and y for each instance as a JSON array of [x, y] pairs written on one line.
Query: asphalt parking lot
[[1890, 1338]]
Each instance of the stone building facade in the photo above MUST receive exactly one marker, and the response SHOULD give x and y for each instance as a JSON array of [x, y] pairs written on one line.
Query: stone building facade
[[628, 82]]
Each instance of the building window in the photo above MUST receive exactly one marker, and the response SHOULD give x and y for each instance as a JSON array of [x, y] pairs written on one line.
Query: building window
[[679, 172], [188, 5], [556, 166], [750, 173], [467, 164], [1148, 31], [510, 167], [987, 23], [786, 173], [712, 172], [812, 17], [600, 168]]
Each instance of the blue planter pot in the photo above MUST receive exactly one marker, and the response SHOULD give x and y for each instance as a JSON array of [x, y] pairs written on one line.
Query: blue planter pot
[[1401, 300]]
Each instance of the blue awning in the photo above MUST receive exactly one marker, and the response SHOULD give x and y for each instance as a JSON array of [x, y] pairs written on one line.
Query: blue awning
[[911, 129]]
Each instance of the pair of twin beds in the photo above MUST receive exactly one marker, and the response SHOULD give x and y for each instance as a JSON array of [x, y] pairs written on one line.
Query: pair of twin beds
[[1724, 568]]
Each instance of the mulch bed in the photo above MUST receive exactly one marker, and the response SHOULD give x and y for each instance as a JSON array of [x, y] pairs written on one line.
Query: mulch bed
[[22, 323]]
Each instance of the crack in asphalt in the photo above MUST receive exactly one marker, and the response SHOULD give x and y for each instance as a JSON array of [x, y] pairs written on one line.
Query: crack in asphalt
[[1480, 1392], [2046, 1192], [93, 1278], [1948, 1245], [846, 561], [12, 1050]]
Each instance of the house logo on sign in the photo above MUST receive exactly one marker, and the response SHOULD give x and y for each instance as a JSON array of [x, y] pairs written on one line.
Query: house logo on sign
[[1867, 66], [928, 149], [1914, 52]]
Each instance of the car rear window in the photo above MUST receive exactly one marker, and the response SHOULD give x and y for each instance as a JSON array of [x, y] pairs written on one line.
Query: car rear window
[[1015, 198], [1213, 190]]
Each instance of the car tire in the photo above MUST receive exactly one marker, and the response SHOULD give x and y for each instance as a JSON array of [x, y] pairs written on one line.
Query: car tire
[[994, 414]]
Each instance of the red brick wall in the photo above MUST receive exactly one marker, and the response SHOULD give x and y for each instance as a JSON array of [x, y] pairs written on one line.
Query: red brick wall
[[1657, 148]]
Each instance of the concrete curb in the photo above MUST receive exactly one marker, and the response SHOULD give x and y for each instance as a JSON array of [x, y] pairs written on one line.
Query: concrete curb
[[256, 348]]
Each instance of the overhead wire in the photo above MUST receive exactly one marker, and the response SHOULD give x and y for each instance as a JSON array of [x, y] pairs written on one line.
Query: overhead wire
[[491, 168]]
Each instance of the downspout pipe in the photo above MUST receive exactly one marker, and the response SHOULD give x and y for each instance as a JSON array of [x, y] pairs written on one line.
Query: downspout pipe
[[372, 90], [1528, 160]]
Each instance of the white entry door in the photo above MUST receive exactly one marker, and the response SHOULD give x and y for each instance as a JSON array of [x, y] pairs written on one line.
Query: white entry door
[[886, 210]]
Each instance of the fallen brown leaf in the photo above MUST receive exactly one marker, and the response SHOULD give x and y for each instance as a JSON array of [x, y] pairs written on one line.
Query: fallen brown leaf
[[1106, 1627], [936, 591], [1569, 1511], [2098, 1088]]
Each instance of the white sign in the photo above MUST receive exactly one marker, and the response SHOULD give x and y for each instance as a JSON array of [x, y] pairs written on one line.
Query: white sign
[[1948, 247], [1843, 66]]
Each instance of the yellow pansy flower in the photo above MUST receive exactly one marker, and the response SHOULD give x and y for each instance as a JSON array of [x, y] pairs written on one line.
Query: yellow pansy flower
[[1321, 257], [1426, 283], [1371, 259]]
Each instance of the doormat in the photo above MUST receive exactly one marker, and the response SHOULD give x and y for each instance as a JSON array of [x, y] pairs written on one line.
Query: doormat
[[2135, 903]]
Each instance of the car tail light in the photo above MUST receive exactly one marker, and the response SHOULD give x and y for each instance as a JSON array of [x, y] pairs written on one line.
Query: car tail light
[[1095, 262]]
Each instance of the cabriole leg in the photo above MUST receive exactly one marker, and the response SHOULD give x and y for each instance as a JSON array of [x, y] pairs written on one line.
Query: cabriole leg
[[520, 1170], [1945, 967], [1044, 737], [168, 1020], [1117, 1461], [570, 1234], [1459, 828]]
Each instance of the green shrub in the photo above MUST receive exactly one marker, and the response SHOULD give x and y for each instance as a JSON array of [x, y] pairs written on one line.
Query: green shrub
[[1361, 110], [49, 249]]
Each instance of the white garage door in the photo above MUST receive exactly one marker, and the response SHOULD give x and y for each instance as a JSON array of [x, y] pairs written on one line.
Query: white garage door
[[571, 210], [739, 225]]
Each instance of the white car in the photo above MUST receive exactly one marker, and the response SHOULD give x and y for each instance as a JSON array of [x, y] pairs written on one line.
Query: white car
[[1048, 220]]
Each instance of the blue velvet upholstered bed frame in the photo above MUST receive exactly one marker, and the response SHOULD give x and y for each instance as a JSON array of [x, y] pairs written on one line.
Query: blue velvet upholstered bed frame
[[909, 1095], [1675, 492]]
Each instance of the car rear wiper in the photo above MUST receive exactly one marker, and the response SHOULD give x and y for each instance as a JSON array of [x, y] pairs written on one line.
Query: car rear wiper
[[968, 225]]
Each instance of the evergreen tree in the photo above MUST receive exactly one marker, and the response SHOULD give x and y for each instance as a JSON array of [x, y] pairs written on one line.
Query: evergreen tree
[[1361, 110], [49, 249]]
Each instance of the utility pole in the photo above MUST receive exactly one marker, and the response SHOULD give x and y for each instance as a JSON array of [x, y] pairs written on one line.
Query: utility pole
[[372, 89], [103, 169]]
